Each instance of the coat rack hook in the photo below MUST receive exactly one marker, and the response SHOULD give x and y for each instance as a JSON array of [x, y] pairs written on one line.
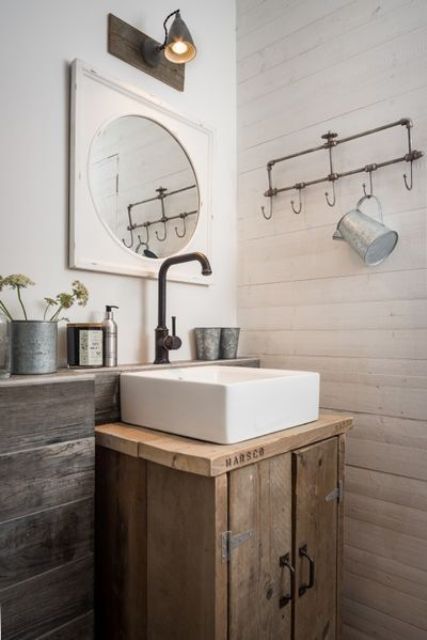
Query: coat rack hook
[[130, 245], [369, 169], [270, 193], [332, 177], [269, 215], [183, 217], [165, 232], [409, 184], [299, 186]]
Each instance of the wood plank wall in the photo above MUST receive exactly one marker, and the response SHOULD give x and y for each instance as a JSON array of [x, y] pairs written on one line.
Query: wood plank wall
[[306, 67], [46, 510]]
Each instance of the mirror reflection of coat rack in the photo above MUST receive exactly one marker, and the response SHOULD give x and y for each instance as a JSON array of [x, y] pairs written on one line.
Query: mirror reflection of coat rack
[[162, 194], [140, 180]]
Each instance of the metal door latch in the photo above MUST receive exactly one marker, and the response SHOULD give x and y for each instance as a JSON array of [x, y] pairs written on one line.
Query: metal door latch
[[230, 541]]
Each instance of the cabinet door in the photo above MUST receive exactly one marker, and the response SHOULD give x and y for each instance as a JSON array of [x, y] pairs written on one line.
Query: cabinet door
[[315, 536], [260, 506]]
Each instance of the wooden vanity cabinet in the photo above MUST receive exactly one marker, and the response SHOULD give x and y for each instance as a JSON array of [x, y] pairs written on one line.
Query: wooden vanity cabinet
[[208, 542]]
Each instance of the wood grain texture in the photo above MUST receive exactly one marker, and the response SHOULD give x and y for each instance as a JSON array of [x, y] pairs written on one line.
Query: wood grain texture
[[315, 525], [39, 605], [341, 452], [304, 303], [208, 459], [40, 415], [121, 546], [125, 42], [38, 479], [185, 576], [40, 542], [260, 501], [82, 628], [107, 397], [46, 507], [376, 624]]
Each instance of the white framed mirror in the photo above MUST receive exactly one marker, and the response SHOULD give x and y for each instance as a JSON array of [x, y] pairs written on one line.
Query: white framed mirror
[[140, 177]]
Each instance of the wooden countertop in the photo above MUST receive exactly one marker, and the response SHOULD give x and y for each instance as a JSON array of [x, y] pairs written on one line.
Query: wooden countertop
[[207, 459]]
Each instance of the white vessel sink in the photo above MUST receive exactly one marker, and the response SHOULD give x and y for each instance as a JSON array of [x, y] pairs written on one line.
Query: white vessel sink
[[219, 404]]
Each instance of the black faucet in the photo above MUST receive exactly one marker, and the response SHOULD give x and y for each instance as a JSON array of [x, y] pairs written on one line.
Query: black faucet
[[164, 342]]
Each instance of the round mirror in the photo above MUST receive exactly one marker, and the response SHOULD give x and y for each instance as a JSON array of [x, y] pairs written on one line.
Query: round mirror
[[144, 186]]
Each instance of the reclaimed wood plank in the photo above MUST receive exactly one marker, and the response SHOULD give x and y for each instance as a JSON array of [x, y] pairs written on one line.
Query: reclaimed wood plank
[[208, 459], [185, 576], [44, 414], [107, 397], [121, 546], [82, 628], [260, 502], [40, 542], [315, 525], [38, 479], [39, 605]]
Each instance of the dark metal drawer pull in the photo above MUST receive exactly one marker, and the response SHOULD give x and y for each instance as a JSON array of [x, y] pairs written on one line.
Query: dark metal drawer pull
[[303, 554], [285, 561]]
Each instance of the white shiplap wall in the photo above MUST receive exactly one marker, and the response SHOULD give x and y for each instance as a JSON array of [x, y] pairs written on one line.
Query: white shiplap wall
[[305, 67]]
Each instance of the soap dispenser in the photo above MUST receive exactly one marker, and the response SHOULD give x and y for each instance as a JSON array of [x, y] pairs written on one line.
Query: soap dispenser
[[110, 337]]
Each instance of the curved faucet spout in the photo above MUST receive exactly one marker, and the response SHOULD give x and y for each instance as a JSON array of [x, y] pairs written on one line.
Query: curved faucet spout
[[162, 351]]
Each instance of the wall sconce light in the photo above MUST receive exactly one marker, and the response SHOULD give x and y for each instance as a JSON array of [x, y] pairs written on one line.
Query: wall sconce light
[[164, 61], [178, 46]]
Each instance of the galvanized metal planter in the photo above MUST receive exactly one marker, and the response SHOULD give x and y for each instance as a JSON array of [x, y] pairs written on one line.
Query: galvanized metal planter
[[34, 347], [229, 343], [207, 342]]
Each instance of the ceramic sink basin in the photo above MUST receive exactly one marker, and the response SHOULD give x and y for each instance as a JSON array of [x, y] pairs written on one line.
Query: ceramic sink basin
[[219, 404]]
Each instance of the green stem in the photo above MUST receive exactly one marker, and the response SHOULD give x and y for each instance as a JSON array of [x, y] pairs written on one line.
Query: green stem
[[56, 314], [18, 289], [46, 310], [5, 310]]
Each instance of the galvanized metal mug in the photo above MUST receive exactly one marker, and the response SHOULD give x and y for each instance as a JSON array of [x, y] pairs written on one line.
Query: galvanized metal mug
[[34, 346], [372, 240]]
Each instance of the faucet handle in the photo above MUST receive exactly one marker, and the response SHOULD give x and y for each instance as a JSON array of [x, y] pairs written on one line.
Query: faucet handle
[[173, 342]]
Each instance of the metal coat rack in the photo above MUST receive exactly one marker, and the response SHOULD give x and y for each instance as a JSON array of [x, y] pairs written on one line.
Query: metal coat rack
[[332, 141], [162, 194]]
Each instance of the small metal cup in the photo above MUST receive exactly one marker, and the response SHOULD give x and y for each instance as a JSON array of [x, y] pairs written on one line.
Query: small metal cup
[[229, 343], [207, 343]]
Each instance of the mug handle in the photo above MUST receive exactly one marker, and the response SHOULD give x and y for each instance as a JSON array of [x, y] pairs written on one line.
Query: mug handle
[[370, 197]]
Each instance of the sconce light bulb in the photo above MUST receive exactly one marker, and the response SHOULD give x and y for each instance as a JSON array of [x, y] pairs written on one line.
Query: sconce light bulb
[[179, 47]]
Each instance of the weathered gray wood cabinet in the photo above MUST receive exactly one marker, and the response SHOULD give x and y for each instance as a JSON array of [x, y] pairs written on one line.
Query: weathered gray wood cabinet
[[46, 509], [208, 542]]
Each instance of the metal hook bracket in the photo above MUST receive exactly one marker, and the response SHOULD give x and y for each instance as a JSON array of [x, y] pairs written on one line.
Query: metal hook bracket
[[331, 142], [299, 186], [369, 169], [183, 217], [270, 193], [165, 231], [332, 178]]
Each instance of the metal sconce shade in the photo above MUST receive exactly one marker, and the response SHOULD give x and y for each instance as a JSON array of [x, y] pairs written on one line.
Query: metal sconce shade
[[371, 239], [179, 45]]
